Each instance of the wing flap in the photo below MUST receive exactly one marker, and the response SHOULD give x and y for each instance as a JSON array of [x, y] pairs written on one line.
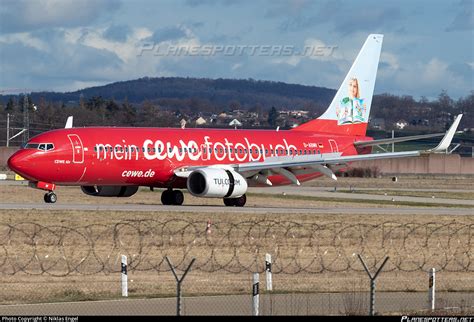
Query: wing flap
[[319, 162]]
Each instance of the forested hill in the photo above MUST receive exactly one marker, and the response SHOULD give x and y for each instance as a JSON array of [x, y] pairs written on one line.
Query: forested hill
[[166, 101], [218, 92]]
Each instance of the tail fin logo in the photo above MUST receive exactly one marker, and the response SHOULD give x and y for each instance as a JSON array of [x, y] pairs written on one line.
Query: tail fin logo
[[352, 108], [348, 113]]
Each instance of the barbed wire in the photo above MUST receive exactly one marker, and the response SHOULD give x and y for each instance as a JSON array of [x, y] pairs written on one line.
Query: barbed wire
[[234, 247]]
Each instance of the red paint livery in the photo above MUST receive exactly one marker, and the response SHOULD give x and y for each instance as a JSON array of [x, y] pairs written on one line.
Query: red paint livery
[[114, 162]]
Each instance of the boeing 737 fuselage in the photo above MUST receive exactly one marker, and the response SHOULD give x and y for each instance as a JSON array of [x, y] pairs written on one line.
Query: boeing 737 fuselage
[[214, 163]]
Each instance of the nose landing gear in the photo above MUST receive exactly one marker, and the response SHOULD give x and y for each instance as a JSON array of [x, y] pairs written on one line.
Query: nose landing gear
[[50, 197]]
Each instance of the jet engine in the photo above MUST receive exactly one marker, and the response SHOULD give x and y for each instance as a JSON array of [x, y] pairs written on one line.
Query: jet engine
[[216, 183], [110, 191]]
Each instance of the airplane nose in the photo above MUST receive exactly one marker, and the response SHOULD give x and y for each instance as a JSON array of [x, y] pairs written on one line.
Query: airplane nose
[[18, 162]]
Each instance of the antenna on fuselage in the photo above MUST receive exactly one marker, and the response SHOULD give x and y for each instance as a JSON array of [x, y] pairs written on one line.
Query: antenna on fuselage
[[68, 123], [278, 128]]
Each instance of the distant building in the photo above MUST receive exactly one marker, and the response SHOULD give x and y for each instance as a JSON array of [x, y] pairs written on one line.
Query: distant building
[[200, 121], [377, 123], [235, 123], [401, 124]]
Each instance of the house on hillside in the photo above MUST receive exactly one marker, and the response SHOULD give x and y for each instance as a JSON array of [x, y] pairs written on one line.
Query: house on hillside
[[200, 121], [401, 124]]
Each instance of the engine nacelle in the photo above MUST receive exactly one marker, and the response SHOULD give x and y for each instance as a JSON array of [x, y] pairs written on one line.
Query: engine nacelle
[[110, 191], [216, 183]]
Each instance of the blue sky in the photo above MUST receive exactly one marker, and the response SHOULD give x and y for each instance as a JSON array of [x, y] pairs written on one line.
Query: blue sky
[[65, 45]]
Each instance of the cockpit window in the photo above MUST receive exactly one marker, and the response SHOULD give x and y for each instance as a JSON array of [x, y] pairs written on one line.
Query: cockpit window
[[31, 146], [40, 146]]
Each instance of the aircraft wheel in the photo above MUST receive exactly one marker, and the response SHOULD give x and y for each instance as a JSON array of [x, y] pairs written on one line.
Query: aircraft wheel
[[50, 197], [177, 197], [240, 202], [166, 197], [229, 202]]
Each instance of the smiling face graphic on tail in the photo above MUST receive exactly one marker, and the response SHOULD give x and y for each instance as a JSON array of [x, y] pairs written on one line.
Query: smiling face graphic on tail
[[352, 108]]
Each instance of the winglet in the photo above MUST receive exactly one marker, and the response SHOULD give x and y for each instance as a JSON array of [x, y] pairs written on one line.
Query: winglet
[[446, 141], [68, 123]]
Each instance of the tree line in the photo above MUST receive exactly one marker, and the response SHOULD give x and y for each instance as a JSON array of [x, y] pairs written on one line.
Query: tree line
[[163, 102]]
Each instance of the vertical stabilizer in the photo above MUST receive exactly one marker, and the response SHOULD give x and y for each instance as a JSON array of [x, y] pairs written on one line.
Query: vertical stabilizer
[[349, 110]]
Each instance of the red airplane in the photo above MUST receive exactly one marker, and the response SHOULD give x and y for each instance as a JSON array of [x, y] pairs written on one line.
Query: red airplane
[[214, 163]]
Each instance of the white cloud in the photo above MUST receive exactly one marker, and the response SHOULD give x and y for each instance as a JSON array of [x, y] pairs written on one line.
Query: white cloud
[[313, 49], [26, 15], [390, 59], [236, 66], [422, 78], [26, 39]]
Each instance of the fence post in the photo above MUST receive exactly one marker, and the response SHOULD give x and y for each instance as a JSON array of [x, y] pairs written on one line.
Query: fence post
[[372, 283], [268, 272], [255, 294], [124, 276], [432, 288], [178, 283]]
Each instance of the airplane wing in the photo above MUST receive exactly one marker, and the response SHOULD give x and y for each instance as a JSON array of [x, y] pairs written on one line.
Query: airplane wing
[[287, 165], [361, 144]]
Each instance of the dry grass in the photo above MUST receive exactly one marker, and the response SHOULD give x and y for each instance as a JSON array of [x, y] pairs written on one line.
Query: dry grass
[[23, 287], [426, 194], [39, 287], [403, 182]]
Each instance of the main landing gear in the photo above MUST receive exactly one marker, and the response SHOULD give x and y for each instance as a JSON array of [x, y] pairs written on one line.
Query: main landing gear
[[235, 202], [50, 197], [172, 197]]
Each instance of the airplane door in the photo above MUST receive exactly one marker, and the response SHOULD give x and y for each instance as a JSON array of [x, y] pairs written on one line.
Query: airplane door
[[77, 148], [333, 144]]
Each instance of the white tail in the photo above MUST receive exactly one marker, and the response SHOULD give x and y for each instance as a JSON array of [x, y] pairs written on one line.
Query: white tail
[[349, 110]]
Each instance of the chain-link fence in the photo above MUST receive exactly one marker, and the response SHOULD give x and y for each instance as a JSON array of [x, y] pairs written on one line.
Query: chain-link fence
[[315, 267]]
